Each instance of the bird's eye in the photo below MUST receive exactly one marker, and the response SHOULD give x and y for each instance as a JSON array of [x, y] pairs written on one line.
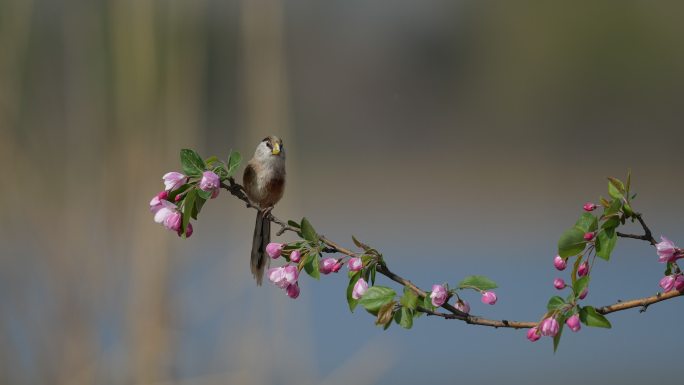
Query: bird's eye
[[269, 145]]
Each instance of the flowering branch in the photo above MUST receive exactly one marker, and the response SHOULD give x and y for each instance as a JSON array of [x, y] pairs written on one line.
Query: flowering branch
[[592, 236]]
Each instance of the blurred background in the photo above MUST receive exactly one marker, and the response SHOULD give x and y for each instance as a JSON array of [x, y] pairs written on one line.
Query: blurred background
[[457, 137]]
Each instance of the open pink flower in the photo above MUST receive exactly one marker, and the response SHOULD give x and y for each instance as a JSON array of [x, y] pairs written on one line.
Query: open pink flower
[[162, 212], [489, 297], [283, 276], [666, 249], [174, 221], [360, 288], [438, 295], [173, 180]]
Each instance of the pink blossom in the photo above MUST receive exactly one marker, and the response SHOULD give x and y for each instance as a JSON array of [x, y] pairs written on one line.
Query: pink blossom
[[679, 283], [210, 181], [326, 265], [355, 264], [549, 327], [533, 334], [292, 291], [215, 193], [573, 323], [360, 288], [283, 276], [668, 282], [489, 297], [156, 203], [589, 236], [178, 198], [274, 249], [438, 295], [336, 267], [166, 208], [559, 263], [666, 249], [295, 256], [583, 269], [462, 306], [583, 294], [174, 221], [589, 206], [173, 180], [559, 284]]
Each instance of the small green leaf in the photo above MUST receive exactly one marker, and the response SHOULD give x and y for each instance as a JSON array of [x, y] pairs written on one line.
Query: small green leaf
[[372, 269], [571, 242], [406, 318], [311, 266], [375, 297], [587, 222], [605, 243], [385, 313], [615, 188], [189, 206], [409, 299], [174, 193], [308, 231], [234, 160], [590, 317], [211, 160], [580, 284], [360, 244], [350, 289], [555, 303], [293, 224], [427, 302], [204, 194], [192, 163], [614, 207], [199, 203], [556, 339], [612, 221], [668, 269], [478, 282], [575, 267]]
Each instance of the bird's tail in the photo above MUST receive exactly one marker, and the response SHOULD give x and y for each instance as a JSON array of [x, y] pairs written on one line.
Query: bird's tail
[[262, 236]]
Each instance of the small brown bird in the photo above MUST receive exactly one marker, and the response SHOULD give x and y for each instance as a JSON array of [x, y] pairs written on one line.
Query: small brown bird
[[264, 182]]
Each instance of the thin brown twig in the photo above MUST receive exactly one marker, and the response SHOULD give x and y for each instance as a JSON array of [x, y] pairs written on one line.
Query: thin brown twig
[[237, 190]]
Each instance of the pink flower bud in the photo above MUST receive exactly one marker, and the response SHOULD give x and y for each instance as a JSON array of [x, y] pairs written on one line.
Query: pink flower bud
[[177, 198], [573, 323], [163, 195], [549, 327], [667, 283], [215, 193], [174, 221], [360, 288], [355, 264], [559, 263], [173, 180], [163, 210], [666, 249], [589, 206], [559, 284], [589, 236], [583, 294], [489, 297], [155, 204], [274, 249], [438, 295], [295, 256], [336, 267], [188, 231], [679, 283], [462, 306], [533, 334], [326, 265], [583, 269], [210, 181], [292, 291], [277, 276]]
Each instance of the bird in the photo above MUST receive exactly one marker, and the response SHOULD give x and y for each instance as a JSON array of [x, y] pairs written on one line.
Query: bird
[[264, 183]]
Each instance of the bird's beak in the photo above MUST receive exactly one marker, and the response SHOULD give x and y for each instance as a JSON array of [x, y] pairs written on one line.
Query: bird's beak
[[276, 149]]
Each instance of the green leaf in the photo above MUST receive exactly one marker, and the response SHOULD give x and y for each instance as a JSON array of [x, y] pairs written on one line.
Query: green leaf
[[590, 317], [405, 318], [615, 188], [234, 160], [174, 193], [192, 163], [478, 282], [199, 203], [204, 194], [385, 313], [575, 267], [426, 303], [211, 160], [293, 224], [579, 285], [612, 221], [555, 303], [350, 289], [360, 244], [409, 299], [372, 269], [605, 243], [556, 339], [571, 242], [614, 208], [587, 222], [375, 297], [311, 265], [189, 206], [668, 269], [308, 231]]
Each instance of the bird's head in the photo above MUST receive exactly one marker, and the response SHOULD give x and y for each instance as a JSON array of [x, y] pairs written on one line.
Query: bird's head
[[269, 147]]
